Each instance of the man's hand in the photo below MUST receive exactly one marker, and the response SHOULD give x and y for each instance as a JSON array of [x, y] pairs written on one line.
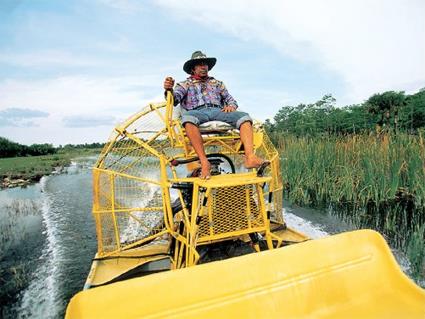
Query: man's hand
[[228, 109], [168, 83]]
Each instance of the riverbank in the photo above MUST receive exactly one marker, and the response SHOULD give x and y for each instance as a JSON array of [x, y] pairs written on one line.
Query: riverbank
[[22, 171]]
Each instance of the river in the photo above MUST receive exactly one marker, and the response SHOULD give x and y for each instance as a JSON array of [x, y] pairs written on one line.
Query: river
[[48, 241]]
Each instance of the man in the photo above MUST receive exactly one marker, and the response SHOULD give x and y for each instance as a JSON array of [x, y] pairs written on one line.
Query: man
[[202, 99]]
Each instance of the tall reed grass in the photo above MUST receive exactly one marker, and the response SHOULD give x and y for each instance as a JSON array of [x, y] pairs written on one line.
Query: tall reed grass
[[374, 181]]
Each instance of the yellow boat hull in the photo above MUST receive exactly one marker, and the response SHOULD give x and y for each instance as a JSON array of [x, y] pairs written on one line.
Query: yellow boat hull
[[350, 275], [148, 259]]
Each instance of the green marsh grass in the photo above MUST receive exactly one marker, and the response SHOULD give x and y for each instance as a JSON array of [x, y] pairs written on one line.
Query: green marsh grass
[[33, 167], [373, 181]]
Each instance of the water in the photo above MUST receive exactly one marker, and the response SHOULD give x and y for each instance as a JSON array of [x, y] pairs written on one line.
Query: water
[[64, 242], [50, 240], [314, 223]]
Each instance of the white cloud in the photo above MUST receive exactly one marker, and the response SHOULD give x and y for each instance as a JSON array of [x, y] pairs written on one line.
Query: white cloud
[[374, 45], [20, 117], [125, 6], [17, 113], [47, 58], [88, 120], [69, 97]]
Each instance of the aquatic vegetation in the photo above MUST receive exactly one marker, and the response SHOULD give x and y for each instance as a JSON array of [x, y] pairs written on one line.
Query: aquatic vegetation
[[375, 181], [20, 226], [416, 251]]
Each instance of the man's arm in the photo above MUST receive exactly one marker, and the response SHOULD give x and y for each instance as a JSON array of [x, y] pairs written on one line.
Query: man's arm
[[178, 92], [229, 102]]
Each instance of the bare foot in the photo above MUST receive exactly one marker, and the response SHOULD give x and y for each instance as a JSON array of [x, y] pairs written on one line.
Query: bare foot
[[253, 161], [205, 170]]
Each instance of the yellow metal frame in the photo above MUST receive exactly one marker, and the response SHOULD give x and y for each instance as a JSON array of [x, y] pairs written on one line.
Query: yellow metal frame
[[153, 137]]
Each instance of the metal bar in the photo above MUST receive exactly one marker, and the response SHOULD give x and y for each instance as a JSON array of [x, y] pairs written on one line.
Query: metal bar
[[143, 144], [146, 239], [248, 206], [156, 135], [106, 152], [135, 209], [114, 217], [136, 116], [230, 234], [141, 179], [137, 243], [185, 211], [195, 227], [96, 206], [210, 219], [138, 159], [182, 140], [180, 261], [168, 214], [138, 220], [169, 116], [153, 107], [266, 220], [279, 240]]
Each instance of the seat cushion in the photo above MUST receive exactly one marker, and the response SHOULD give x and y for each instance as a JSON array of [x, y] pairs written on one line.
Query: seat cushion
[[208, 127], [215, 126]]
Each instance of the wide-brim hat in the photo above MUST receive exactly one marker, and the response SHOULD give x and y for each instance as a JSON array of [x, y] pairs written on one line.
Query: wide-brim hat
[[197, 57]]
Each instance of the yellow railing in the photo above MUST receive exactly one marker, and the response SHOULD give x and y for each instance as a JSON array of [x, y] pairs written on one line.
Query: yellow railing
[[132, 203]]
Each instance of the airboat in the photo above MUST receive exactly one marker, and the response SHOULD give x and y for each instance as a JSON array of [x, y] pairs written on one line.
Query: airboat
[[173, 245]]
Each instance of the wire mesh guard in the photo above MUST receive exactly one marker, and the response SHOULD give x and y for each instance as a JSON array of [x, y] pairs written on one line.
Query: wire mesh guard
[[131, 184], [230, 209]]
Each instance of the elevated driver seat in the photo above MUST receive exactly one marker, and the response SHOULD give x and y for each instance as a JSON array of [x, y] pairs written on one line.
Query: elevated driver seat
[[212, 127]]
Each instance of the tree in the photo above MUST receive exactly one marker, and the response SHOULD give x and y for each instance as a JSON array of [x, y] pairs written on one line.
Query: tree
[[390, 109], [412, 116], [9, 148], [387, 105]]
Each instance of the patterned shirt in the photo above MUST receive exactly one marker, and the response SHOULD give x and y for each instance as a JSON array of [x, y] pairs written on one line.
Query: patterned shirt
[[193, 93]]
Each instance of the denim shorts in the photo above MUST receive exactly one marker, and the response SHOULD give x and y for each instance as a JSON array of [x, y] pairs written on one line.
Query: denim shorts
[[205, 114]]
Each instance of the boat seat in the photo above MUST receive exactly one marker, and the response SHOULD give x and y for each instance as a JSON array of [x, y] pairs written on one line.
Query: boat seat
[[212, 127], [215, 127]]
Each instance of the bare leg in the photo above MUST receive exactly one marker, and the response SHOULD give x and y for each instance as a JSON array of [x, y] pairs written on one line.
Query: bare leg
[[251, 160], [194, 135]]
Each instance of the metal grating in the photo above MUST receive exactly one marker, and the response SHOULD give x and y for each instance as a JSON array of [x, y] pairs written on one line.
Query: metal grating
[[231, 209]]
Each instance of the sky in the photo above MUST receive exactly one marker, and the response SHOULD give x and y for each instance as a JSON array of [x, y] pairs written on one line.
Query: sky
[[72, 70]]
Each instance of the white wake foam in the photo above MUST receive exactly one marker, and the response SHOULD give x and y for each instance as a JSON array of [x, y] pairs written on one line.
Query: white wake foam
[[41, 298], [304, 226]]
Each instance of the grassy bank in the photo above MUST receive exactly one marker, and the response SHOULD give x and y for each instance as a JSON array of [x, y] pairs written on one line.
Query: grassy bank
[[374, 181], [32, 168]]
